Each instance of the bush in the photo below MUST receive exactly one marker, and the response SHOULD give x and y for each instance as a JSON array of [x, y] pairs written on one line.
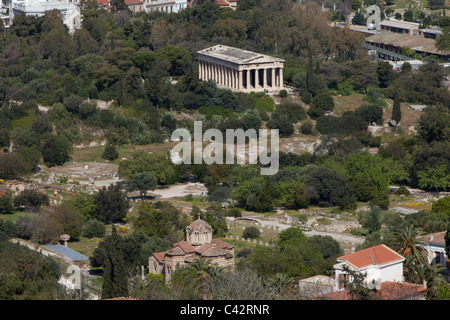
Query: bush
[[94, 228], [380, 199], [110, 153], [306, 97], [234, 212], [283, 93], [403, 191], [251, 233], [32, 200], [370, 113], [307, 127]]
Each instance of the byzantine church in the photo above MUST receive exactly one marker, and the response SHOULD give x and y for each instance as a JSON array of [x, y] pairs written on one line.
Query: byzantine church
[[199, 243]]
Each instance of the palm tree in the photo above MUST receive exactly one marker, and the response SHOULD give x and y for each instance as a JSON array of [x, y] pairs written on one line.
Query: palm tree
[[409, 243], [280, 282], [202, 267]]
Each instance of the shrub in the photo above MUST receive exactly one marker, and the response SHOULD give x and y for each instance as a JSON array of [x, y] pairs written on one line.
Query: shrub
[[307, 127], [402, 191], [251, 233], [110, 153], [283, 93], [234, 212], [32, 200], [370, 113], [94, 228], [380, 199]]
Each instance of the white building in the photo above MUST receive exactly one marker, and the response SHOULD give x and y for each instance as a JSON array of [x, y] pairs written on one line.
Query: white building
[[380, 263], [168, 6], [240, 70], [435, 246], [69, 9]]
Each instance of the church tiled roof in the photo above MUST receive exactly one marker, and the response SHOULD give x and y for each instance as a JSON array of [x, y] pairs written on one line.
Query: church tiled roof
[[185, 246], [213, 251], [176, 251], [159, 256], [221, 244]]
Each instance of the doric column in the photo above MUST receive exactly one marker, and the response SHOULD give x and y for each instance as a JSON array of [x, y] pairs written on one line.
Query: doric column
[[264, 78], [281, 77], [227, 77], [200, 70], [256, 79], [217, 73], [273, 83], [240, 83]]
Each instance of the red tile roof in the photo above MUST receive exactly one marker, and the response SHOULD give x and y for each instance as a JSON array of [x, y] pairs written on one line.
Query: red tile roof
[[436, 238], [185, 246], [222, 3], [380, 254], [221, 244], [388, 291], [133, 2], [159, 255]]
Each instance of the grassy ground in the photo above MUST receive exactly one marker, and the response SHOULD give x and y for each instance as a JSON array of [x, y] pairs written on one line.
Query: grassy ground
[[14, 216], [347, 103]]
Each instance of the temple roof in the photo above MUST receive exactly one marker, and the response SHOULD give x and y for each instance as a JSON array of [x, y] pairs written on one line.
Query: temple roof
[[236, 55]]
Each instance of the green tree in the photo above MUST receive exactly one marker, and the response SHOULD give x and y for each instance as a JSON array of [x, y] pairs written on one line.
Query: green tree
[[434, 178], [385, 74], [434, 124], [31, 199], [94, 228], [443, 41], [409, 243], [396, 111], [447, 240], [142, 182], [110, 152], [372, 219], [55, 151], [320, 103], [6, 203], [251, 233], [328, 246], [115, 281], [112, 204]]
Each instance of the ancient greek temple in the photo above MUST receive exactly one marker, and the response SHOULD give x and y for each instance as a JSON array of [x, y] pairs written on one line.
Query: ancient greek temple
[[240, 70]]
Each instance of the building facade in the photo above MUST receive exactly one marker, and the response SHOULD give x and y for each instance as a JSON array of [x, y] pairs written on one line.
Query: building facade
[[199, 244], [379, 263], [435, 247], [168, 6], [69, 9], [240, 70]]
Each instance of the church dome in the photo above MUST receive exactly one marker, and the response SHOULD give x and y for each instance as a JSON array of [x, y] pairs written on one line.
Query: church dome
[[199, 232], [199, 224]]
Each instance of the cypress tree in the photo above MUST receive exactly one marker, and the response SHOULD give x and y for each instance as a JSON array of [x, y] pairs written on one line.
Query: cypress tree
[[447, 240], [115, 282], [396, 112]]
